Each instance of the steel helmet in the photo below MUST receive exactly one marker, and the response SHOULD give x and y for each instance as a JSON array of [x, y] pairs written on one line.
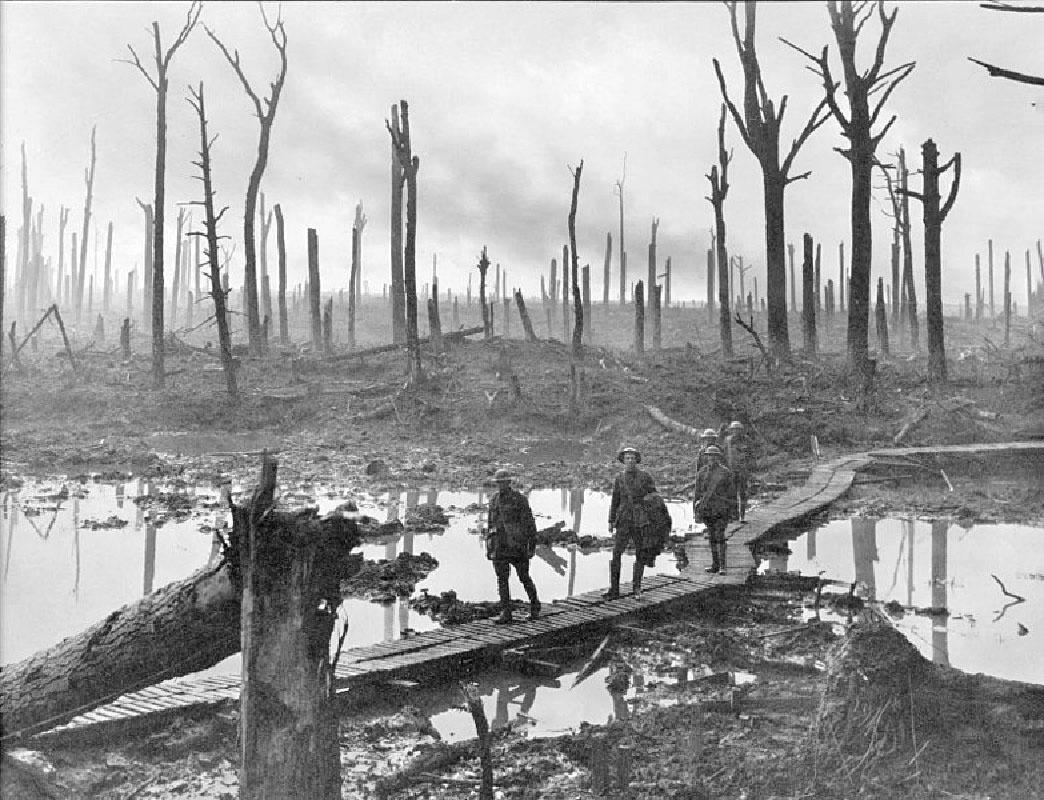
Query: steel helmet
[[629, 449]]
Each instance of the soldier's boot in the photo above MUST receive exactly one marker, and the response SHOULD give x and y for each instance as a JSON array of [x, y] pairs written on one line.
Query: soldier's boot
[[715, 563], [636, 577], [614, 580]]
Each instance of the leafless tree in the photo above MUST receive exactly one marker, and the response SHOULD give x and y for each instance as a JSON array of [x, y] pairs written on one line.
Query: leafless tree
[[759, 126], [210, 224], [265, 108], [410, 164], [578, 304], [88, 179], [847, 19], [159, 85], [719, 181], [619, 190], [397, 287]]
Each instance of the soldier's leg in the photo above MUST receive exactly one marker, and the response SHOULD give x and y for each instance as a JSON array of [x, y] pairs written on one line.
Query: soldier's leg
[[522, 570], [623, 537], [503, 571], [637, 571]]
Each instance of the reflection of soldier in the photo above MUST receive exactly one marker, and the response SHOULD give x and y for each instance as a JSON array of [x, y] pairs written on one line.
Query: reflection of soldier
[[714, 502], [507, 695], [628, 517], [511, 542]]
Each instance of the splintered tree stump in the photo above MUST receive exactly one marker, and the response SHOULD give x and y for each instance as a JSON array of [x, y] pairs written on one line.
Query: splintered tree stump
[[291, 564], [527, 324]]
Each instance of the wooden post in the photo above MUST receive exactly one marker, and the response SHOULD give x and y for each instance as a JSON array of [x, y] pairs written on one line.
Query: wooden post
[[313, 290], [808, 300], [290, 566], [881, 317], [434, 328], [527, 325], [639, 319]]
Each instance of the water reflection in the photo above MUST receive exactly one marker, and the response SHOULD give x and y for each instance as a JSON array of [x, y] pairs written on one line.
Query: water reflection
[[68, 561], [940, 565]]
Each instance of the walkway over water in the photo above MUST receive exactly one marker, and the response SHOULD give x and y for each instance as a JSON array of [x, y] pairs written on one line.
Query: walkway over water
[[439, 652]]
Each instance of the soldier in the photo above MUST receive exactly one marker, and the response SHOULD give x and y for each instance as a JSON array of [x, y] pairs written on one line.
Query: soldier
[[739, 458], [708, 437], [628, 518], [714, 502], [510, 542]]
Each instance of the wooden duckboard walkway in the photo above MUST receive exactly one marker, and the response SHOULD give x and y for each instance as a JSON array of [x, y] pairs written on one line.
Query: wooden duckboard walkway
[[440, 651]]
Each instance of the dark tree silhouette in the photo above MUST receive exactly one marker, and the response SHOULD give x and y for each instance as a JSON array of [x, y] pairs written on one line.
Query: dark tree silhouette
[[847, 20], [759, 125], [578, 304], [719, 181], [266, 111], [159, 85], [410, 164], [619, 189]]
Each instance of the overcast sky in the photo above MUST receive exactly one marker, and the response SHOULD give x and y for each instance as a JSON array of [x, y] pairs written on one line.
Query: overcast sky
[[504, 98]]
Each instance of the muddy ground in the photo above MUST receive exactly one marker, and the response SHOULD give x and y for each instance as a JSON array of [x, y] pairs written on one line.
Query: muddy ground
[[352, 423]]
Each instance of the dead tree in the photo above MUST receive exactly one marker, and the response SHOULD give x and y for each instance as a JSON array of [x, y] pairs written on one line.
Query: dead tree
[[1007, 298], [881, 317], [410, 164], [265, 109], [107, 290], [566, 299], [218, 292], [315, 313], [159, 85], [934, 214], [523, 313], [88, 179], [978, 290], [22, 266], [793, 284], [265, 220], [847, 20], [483, 268], [63, 220], [759, 126], [639, 319], [808, 298], [360, 223], [651, 281], [989, 277], [619, 188], [719, 181], [1001, 72], [172, 308], [605, 269], [574, 261], [146, 282], [909, 302], [351, 286], [898, 202], [284, 323], [585, 281], [398, 288]]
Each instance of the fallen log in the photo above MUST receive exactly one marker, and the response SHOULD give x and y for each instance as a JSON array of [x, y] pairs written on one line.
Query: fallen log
[[452, 336], [182, 628], [671, 424]]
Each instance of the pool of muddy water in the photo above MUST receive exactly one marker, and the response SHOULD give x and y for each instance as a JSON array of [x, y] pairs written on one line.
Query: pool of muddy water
[[988, 578], [71, 551]]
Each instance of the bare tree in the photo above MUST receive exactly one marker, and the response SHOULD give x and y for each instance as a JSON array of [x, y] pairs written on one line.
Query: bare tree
[[159, 85], [719, 181], [847, 19], [934, 213], [210, 232], [398, 287], [759, 125], [88, 179], [578, 304], [284, 324], [619, 189], [266, 110], [410, 164]]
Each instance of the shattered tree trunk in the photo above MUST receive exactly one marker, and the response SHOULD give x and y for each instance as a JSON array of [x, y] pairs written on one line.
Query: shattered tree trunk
[[284, 322], [527, 324], [291, 564], [487, 322], [978, 290], [808, 299], [909, 290], [586, 281], [655, 300], [107, 290], [88, 179], [606, 270], [313, 290], [639, 319], [719, 181], [574, 262], [398, 287], [881, 317], [654, 311], [352, 278]]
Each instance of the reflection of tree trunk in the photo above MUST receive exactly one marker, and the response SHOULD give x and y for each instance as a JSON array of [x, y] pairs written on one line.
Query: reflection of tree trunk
[[576, 505], [9, 514], [908, 525], [572, 573], [810, 544], [940, 635], [150, 558], [864, 553]]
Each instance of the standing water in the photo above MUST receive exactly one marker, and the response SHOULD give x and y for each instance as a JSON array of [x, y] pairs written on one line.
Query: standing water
[[970, 598]]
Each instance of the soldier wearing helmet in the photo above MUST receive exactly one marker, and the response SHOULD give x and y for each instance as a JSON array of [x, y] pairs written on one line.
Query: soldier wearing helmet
[[511, 542], [628, 518], [739, 458], [708, 437], [714, 502]]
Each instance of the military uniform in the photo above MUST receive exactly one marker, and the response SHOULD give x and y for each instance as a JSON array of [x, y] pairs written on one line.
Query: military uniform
[[739, 458], [627, 514], [510, 542], [714, 504]]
